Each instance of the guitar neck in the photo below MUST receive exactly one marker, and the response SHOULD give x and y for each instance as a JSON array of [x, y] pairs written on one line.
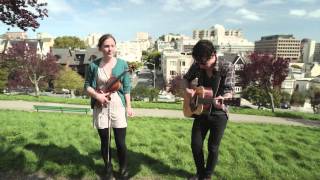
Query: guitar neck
[[227, 101]]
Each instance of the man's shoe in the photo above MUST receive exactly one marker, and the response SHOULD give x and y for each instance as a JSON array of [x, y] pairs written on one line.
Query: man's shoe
[[195, 177], [207, 178], [123, 174]]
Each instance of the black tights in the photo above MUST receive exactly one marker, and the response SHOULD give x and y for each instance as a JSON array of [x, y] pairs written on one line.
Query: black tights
[[120, 138], [201, 125]]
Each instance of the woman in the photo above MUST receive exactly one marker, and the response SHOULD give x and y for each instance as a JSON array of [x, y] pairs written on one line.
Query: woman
[[110, 109]]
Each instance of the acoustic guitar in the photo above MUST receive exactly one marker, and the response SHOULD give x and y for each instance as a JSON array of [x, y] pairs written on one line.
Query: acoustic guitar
[[202, 101]]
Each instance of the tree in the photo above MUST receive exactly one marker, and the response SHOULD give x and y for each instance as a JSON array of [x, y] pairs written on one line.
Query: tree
[[265, 72], [68, 79], [176, 86], [314, 94], [298, 98], [69, 42], [22, 13], [30, 68]]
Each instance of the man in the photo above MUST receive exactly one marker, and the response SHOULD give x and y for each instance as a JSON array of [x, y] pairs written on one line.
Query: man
[[219, 76]]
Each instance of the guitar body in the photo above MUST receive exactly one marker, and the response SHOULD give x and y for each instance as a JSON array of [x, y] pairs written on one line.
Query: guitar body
[[191, 105], [202, 101]]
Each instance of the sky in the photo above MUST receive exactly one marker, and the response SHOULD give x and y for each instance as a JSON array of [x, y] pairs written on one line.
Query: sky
[[124, 18]]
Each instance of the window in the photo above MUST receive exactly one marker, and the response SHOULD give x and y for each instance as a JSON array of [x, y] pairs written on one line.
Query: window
[[172, 73], [173, 63]]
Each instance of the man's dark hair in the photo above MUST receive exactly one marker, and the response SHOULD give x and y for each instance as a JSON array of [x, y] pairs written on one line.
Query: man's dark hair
[[203, 50], [103, 38]]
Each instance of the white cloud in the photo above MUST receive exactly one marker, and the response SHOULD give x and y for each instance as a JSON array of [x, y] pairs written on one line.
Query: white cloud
[[314, 14], [59, 6], [234, 3], [172, 5], [250, 15], [307, 1], [272, 2], [233, 21], [298, 12], [136, 1], [196, 4]]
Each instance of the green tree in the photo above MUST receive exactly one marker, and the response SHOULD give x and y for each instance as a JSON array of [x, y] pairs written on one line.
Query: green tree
[[69, 42], [314, 95], [297, 98], [68, 79], [4, 73], [153, 94], [285, 96]]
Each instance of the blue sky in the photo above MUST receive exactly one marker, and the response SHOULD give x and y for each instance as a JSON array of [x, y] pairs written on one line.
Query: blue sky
[[123, 18]]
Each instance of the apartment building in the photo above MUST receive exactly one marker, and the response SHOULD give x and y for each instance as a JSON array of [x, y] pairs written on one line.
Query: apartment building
[[316, 56], [42, 43], [92, 40], [15, 35], [174, 63], [280, 46], [185, 44], [129, 51], [163, 45], [226, 40], [144, 40]]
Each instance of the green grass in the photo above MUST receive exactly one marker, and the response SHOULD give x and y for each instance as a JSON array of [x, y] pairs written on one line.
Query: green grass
[[65, 145], [162, 105]]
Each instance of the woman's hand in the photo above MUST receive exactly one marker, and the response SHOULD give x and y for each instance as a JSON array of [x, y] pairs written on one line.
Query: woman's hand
[[102, 98], [129, 111]]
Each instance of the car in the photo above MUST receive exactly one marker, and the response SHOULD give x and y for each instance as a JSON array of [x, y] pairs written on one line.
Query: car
[[285, 105]]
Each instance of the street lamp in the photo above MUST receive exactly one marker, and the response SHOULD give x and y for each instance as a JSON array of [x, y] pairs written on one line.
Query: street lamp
[[154, 73]]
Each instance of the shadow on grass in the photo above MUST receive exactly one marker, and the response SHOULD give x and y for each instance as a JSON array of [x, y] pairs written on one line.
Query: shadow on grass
[[137, 160], [52, 159], [68, 161]]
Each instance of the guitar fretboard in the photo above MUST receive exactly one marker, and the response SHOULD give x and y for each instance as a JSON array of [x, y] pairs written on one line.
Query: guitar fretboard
[[227, 101]]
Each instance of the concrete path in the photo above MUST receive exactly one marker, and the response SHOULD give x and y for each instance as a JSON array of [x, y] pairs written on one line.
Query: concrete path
[[241, 118]]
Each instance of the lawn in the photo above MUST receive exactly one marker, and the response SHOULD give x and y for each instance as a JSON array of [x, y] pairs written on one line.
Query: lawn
[[163, 105], [66, 146]]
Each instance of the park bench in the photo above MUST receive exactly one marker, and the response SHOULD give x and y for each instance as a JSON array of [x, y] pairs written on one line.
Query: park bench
[[61, 108]]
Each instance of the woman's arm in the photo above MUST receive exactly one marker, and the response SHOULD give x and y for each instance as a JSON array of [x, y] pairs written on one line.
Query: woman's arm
[[128, 103]]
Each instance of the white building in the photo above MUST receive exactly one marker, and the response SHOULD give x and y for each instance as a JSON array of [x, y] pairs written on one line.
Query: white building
[[308, 48], [144, 40], [174, 63], [162, 45], [46, 42], [186, 44], [129, 51], [231, 41], [92, 39]]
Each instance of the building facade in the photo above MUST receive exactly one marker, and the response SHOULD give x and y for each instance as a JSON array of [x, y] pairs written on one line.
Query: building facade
[[280, 46]]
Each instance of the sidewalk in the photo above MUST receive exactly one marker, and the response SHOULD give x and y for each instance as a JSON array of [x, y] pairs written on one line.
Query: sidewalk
[[238, 118]]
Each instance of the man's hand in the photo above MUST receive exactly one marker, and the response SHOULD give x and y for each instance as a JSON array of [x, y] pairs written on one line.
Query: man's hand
[[219, 102], [190, 92]]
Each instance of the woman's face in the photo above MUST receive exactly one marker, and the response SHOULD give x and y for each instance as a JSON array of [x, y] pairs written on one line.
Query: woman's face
[[108, 48]]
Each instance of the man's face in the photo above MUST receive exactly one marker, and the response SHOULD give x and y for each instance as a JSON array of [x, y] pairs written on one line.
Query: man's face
[[208, 64]]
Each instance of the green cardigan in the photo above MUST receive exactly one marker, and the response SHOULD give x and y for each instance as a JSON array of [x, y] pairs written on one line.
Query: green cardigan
[[91, 78]]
